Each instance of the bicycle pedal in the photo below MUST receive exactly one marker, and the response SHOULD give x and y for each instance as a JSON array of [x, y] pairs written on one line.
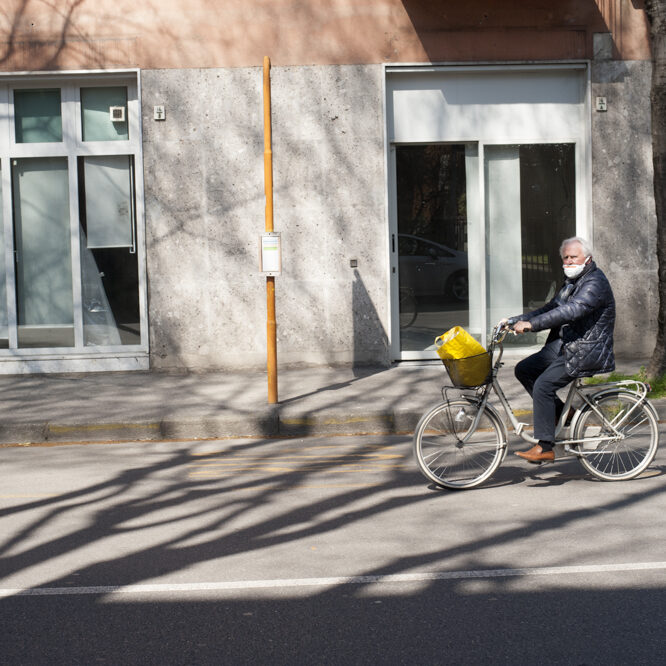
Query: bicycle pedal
[[520, 427]]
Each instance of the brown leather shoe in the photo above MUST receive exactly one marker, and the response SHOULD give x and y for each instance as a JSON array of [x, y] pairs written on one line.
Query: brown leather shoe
[[537, 455]]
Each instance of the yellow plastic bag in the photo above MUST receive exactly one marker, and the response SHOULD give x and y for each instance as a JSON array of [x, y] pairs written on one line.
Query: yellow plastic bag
[[466, 361], [457, 343]]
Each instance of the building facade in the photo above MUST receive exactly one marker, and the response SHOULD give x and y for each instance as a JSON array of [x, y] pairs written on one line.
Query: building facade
[[428, 159]]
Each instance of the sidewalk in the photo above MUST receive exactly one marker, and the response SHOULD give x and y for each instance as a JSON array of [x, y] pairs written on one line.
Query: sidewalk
[[159, 405]]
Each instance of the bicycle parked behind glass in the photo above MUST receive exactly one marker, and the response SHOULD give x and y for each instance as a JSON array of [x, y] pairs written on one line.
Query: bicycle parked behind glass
[[460, 443]]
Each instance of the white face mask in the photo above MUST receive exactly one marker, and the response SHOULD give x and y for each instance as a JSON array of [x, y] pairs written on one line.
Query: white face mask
[[574, 270]]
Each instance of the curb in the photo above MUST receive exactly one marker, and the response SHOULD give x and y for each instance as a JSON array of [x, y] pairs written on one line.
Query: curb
[[264, 424], [267, 422]]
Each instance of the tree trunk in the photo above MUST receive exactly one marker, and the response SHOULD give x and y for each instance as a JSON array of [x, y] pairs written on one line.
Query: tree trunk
[[656, 13]]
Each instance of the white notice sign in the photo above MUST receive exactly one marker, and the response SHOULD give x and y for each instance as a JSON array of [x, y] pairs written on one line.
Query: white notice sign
[[271, 253]]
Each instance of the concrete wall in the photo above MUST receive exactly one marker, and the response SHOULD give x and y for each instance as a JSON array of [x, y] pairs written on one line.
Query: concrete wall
[[623, 199], [205, 211]]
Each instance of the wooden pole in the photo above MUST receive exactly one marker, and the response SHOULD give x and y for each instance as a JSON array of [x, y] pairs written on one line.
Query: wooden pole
[[271, 324]]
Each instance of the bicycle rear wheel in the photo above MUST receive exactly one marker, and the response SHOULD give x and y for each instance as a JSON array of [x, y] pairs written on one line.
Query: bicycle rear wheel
[[624, 456], [454, 449]]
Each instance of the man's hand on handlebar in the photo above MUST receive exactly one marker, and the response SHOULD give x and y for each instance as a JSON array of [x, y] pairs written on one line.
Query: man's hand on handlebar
[[522, 327], [517, 327]]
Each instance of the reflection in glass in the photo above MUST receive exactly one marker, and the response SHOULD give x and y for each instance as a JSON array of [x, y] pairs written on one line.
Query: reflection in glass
[[96, 119], [37, 116], [530, 209], [109, 268], [43, 252], [432, 242], [4, 335], [108, 201]]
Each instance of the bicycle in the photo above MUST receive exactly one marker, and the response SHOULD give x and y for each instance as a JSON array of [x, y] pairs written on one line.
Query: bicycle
[[408, 307], [460, 443]]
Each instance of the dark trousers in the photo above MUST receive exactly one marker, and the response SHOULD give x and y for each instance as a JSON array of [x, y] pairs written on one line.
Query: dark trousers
[[542, 374]]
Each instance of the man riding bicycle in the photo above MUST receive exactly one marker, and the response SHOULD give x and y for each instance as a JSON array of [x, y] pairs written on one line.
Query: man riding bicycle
[[581, 319]]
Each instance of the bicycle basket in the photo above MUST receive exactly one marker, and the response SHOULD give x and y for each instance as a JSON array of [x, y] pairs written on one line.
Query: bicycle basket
[[470, 371]]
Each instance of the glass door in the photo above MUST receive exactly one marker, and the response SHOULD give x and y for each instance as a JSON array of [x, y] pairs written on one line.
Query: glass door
[[4, 318], [109, 266], [72, 261], [432, 242], [43, 264], [530, 208], [477, 244]]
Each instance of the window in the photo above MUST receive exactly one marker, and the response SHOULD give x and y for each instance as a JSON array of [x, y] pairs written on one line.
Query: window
[[71, 208], [98, 120], [37, 116]]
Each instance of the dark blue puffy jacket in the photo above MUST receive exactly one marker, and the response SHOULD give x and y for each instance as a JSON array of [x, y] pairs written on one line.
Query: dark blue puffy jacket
[[584, 311]]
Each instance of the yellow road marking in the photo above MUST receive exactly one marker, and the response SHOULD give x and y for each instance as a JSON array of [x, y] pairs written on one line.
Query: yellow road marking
[[333, 421], [298, 486], [273, 467], [104, 426], [311, 464], [322, 459], [233, 470], [342, 460], [301, 449]]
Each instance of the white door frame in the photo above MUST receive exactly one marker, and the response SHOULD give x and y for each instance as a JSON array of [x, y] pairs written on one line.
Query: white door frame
[[581, 139], [80, 358]]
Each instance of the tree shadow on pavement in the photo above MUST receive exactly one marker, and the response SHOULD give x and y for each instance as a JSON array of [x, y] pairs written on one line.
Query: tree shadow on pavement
[[255, 504]]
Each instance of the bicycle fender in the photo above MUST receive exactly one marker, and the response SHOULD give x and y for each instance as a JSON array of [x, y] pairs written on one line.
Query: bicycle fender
[[613, 391]]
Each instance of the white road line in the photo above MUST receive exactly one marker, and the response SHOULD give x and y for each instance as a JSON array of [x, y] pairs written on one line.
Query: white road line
[[329, 582]]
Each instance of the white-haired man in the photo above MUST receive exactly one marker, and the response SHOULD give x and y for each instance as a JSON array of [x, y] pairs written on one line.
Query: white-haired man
[[581, 319]]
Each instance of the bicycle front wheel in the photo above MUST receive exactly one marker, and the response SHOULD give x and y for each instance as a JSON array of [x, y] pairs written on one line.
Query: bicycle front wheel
[[456, 447], [630, 450]]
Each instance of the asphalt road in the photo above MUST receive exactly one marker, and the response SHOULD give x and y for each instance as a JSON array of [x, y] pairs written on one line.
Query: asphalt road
[[322, 551]]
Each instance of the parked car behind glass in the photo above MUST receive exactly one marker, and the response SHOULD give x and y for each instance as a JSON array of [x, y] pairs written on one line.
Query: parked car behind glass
[[432, 269]]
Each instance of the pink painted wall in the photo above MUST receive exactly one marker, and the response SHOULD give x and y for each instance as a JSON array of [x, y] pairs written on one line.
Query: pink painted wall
[[154, 34]]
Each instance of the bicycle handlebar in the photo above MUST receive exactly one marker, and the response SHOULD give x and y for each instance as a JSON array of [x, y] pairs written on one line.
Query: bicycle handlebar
[[500, 331]]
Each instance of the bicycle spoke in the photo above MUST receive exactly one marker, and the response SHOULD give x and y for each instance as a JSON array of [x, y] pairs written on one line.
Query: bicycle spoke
[[456, 447], [633, 431], [627, 432]]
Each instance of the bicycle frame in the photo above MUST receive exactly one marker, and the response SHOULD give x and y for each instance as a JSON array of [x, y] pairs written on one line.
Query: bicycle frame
[[577, 389]]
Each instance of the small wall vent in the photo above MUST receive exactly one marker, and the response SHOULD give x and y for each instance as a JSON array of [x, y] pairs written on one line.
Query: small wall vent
[[117, 114]]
